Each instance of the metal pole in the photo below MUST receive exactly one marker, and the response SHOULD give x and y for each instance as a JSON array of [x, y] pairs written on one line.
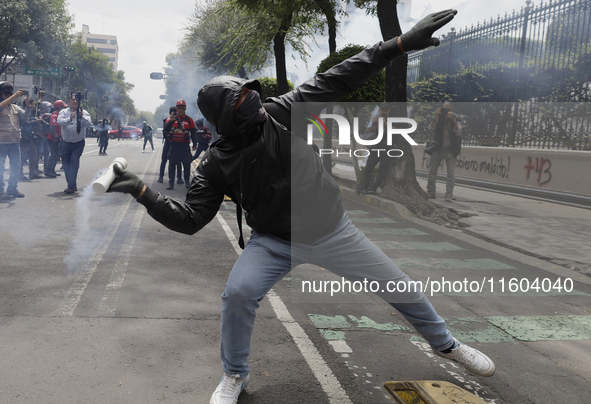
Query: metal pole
[[524, 34]]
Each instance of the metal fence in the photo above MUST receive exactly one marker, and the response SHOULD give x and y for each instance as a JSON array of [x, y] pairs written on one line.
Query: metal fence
[[525, 124], [541, 53]]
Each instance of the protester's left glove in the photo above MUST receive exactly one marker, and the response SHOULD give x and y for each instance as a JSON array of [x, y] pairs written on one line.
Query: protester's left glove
[[420, 36], [126, 182]]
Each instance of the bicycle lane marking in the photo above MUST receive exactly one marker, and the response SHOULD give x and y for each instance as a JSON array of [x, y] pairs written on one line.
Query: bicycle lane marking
[[328, 381]]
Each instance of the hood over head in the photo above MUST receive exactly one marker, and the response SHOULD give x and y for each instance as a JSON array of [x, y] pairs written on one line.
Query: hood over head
[[217, 98]]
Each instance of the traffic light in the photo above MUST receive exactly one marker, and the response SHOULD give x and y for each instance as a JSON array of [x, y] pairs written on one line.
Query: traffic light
[[163, 96], [156, 76], [107, 97], [69, 69]]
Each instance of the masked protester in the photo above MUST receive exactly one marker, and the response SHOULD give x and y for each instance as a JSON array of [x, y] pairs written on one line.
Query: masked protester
[[147, 132], [10, 137], [293, 206], [103, 137]]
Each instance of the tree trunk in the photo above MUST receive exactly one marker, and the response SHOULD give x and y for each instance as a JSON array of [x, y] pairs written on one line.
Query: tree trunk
[[279, 49], [401, 183], [331, 21]]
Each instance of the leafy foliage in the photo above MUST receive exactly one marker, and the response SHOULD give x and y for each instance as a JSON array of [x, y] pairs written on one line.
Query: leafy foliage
[[106, 90], [33, 32], [373, 90], [270, 87]]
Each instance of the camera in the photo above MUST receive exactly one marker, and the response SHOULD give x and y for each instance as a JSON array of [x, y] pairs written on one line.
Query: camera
[[79, 96], [444, 111], [25, 92], [39, 91]]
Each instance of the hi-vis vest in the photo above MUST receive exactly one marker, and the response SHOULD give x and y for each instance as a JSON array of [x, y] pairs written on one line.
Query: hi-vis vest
[[10, 130]]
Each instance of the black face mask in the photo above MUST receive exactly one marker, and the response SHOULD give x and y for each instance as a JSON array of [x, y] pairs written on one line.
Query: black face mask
[[250, 113]]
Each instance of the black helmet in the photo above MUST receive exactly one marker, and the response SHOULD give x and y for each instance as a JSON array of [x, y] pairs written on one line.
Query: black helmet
[[6, 88]]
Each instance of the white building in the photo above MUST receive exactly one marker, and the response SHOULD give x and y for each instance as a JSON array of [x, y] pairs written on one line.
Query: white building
[[106, 44]]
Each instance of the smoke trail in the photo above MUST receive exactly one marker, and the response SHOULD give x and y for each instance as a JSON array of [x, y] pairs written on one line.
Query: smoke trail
[[86, 237]]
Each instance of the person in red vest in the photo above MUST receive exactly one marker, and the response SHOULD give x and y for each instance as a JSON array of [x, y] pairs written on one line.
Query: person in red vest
[[181, 131], [53, 139]]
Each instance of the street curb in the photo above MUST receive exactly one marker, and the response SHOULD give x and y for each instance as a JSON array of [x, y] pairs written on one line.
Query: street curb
[[397, 209]]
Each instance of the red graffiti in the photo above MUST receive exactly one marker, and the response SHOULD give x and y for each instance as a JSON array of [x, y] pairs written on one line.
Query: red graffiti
[[542, 167]]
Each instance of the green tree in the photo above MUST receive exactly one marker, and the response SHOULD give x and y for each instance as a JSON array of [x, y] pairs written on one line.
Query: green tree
[[271, 88], [266, 27], [33, 32], [107, 91], [208, 26], [373, 90], [401, 183]]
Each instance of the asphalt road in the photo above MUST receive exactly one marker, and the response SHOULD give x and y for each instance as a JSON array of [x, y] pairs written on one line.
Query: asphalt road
[[101, 304]]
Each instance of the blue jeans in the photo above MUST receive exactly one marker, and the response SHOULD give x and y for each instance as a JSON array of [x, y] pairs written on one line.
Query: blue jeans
[[450, 161], [201, 147], [70, 154], [345, 252], [13, 151], [43, 150]]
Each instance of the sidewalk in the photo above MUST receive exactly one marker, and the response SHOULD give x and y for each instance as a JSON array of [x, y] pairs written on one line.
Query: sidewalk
[[550, 231]]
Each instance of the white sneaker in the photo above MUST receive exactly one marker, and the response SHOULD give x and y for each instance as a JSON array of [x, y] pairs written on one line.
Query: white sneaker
[[229, 389], [472, 359]]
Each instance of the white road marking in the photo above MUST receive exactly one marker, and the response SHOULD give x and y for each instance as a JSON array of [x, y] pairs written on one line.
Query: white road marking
[[77, 289], [111, 296], [328, 381], [74, 294]]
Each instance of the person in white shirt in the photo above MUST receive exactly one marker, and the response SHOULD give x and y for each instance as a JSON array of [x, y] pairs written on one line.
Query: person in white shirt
[[73, 142]]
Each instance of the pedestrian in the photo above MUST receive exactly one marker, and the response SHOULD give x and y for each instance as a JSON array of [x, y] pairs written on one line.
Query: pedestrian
[[120, 133], [29, 152], [73, 142], [166, 149], [448, 144], [42, 145], [203, 138], [53, 139], [181, 131], [296, 214], [103, 137], [377, 154], [147, 132], [10, 137]]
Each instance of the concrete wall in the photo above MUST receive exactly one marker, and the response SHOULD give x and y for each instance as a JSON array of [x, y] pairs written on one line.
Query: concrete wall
[[558, 170]]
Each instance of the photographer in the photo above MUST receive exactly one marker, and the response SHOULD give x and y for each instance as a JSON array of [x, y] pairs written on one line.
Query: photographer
[[448, 140], [10, 137], [73, 140]]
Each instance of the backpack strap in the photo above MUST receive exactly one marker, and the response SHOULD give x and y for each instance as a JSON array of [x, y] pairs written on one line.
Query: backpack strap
[[216, 179]]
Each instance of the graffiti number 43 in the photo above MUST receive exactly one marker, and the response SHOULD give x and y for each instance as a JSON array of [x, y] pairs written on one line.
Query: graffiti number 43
[[542, 167]]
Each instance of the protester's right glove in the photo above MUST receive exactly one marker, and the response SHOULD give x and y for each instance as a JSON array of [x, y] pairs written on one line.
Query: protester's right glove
[[420, 36], [126, 182]]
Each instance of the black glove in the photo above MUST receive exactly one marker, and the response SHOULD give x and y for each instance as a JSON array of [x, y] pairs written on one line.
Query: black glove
[[126, 182], [420, 36]]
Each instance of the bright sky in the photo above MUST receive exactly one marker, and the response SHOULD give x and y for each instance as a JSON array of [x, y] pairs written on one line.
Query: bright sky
[[148, 30]]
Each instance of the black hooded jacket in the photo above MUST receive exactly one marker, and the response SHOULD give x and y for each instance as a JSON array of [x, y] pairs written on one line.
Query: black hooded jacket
[[275, 176]]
